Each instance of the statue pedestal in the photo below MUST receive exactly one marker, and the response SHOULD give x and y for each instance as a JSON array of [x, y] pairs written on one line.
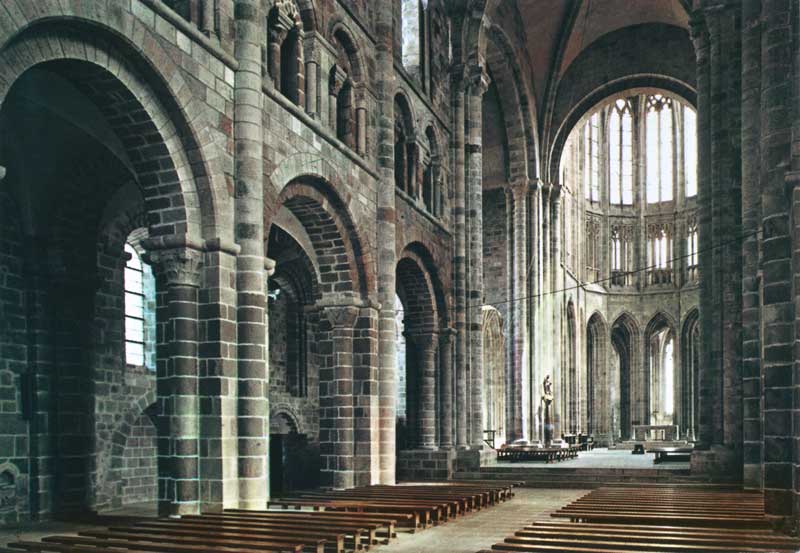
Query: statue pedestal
[[548, 421]]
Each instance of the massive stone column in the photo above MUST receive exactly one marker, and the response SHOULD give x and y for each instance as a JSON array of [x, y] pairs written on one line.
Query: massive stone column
[[478, 84], [386, 256], [779, 254], [336, 396], [717, 45], [556, 308], [253, 374], [518, 400], [446, 387], [366, 409], [751, 219], [425, 343], [219, 486], [460, 257], [177, 273], [534, 273]]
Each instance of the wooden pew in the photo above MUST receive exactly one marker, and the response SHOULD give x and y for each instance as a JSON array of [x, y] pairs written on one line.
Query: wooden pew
[[654, 519], [388, 520], [359, 532], [146, 546]]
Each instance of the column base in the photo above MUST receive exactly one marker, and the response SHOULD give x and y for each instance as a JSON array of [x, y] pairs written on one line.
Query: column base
[[471, 460], [718, 463], [425, 464]]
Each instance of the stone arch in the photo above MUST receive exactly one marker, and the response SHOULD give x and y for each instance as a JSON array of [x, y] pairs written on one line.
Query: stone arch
[[688, 395], [339, 32], [494, 372], [343, 263], [290, 415], [596, 74], [659, 330], [520, 121], [625, 343], [174, 159], [598, 418]]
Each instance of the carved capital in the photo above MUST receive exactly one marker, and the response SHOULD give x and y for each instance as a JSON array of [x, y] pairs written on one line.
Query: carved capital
[[446, 336], [477, 80], [518, 188], [269, 266], [178, 266], [341, 316]]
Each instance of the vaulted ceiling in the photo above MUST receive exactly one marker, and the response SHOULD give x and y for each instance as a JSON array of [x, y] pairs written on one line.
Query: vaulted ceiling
[[555, 32]]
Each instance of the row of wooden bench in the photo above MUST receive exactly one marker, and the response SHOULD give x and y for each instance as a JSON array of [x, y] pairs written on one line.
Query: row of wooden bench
[[330, 522], [426, 504], [654, 519], [533, 453]]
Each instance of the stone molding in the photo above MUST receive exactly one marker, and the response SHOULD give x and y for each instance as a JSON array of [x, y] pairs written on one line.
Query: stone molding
[[180, 266], [341, 316]]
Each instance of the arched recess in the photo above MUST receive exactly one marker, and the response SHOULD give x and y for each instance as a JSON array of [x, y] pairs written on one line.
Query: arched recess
[[689, 383], [518, 117], [347, 87], [420, 320], [494, 388], [661, 371], [598, 418], [432, 185], [570, 381], [154, 140], [405, 147], [625, 340], [85, 115], [342, 263]]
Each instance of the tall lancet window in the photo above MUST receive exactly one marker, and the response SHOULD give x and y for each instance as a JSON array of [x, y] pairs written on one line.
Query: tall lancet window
[[591, 152], [690, 150], [620, 155], [659, 142]]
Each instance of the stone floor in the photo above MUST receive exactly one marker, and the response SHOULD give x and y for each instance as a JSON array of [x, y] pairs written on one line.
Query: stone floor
[[465, 535]]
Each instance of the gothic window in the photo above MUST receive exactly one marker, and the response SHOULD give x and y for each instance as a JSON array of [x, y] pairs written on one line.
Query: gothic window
[[659, 141], [659, 250], [616, 251], [620, 155], [139, 311], [591, 167], [690, 150], [692, 252]]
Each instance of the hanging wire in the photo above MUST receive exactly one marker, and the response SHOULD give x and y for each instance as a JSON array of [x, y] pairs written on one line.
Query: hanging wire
[[582, 285]]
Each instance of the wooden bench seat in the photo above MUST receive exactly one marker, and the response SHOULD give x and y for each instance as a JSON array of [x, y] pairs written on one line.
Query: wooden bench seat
[[426, 514], [359, 532], [273, 543], [654, 520], [159, 547], [390, 520], [214, 531]]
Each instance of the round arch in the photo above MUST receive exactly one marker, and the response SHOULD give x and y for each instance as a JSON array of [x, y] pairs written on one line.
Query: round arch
[[173, 158], [313, 199]]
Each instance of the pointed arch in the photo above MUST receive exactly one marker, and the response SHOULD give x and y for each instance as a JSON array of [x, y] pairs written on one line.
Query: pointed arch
[[625, 344], [596, 354], [689, 384]]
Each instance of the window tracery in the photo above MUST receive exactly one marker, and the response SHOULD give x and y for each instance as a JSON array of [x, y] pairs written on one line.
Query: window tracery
[[620, 156], [591, 175], [659, 253], [659, 143]]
